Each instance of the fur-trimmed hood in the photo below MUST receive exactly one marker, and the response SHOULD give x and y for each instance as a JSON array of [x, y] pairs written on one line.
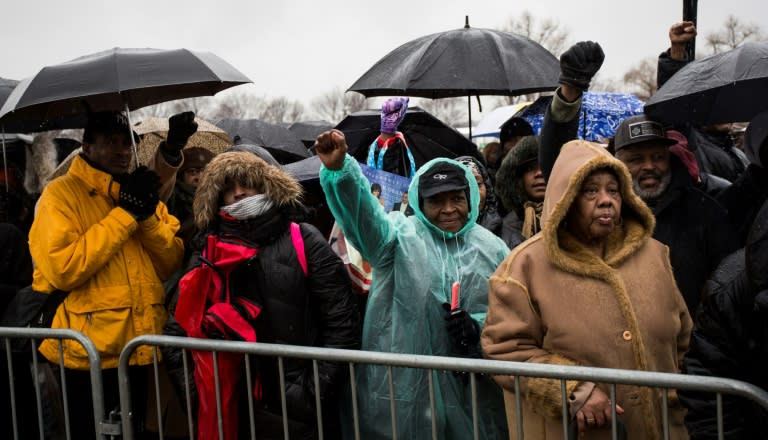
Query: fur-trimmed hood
[[577, 160], [249, 170], [509, 178]]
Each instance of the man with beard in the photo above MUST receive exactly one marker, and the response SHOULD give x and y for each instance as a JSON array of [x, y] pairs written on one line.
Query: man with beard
[[691, 223]]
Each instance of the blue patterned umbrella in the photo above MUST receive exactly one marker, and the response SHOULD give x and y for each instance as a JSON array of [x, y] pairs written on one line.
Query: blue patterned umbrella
[[600, 116]]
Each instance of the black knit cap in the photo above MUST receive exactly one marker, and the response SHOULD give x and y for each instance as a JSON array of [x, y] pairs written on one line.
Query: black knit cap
[[107, 123], [516, 126], [441, 178]]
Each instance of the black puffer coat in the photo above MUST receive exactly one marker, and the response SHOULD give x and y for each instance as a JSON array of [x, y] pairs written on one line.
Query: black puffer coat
[[316, 310], [313, 310], [730, 339]]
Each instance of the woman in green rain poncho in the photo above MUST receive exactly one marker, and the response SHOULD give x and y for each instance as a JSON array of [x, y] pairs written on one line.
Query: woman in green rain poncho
[[416, 263]]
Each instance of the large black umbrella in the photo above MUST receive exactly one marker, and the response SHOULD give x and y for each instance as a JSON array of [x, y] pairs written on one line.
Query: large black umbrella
[[427, 136], [284, 146], [61, 95], [726, 87], [307, 131], [462, 62], [6, 87]]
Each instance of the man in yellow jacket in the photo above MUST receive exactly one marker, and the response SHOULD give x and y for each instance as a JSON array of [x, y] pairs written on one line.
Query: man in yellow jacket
[[101, 234]]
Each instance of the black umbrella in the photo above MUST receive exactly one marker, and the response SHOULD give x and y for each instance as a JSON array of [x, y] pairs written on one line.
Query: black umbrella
[[462, 62], [726, 87], [61, 95], [6, 87], [427, 136], [281, 142], [307, 131]]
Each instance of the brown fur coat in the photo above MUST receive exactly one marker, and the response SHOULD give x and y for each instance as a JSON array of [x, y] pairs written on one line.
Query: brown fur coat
[[553, 301]]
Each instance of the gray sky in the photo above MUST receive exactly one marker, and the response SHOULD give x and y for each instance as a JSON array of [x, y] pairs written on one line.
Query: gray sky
[[304, 48]]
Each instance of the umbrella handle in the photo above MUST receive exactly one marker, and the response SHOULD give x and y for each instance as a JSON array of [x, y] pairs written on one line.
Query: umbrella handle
[[130, 135]]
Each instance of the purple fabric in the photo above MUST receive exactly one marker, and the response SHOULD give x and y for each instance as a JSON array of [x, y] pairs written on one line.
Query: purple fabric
[[392, 114]]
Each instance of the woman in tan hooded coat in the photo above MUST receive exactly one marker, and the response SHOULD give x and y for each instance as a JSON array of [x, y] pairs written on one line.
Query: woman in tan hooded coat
[[592, 289]]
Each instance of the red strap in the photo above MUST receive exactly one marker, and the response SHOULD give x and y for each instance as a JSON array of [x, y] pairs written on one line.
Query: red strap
[[298, 244]]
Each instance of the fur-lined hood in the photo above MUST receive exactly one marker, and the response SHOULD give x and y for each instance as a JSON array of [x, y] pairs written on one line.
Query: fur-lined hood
[[250, 171], [577, 160], [509, 178]]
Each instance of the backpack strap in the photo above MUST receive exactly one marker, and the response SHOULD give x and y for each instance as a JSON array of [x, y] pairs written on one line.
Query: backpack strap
[[298, 245]]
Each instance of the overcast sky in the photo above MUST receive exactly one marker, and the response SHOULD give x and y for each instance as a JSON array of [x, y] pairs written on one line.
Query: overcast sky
[[304, 48]]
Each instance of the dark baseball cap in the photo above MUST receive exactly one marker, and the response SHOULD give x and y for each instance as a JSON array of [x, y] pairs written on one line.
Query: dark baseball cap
[[442, 177], [638, 129]]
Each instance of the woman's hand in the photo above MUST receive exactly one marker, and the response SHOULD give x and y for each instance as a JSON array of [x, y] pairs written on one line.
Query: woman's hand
[[331, 147], [596, 411]]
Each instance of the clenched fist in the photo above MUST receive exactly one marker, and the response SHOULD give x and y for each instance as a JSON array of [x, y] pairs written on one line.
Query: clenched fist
[[331, 147]]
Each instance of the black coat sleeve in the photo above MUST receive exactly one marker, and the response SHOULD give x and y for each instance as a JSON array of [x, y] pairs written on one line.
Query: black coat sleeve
[[332, 305], [667, 67], [718, 348], [553, 135]]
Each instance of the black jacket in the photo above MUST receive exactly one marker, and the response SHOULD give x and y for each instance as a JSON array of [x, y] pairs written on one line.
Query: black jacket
[[317, 310], [696, 229], [730, 339]]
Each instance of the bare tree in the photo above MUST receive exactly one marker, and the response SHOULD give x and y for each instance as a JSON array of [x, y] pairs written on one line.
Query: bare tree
[[641, 78], [452, 111], [281, 110], [546, 32], [199, 105], [733, 34], [336, 104]]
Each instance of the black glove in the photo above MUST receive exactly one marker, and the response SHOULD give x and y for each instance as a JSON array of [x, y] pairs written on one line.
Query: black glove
[[579, 64], [139, 193], [463, 331], [180, 127]]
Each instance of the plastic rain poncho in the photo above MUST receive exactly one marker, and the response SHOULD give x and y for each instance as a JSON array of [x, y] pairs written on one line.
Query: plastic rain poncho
[[414, 265]]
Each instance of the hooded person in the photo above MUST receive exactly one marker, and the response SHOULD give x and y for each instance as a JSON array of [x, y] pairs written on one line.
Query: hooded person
[[187, 181], [730, 339], [282, 271], [418, 263], [592, 289], [520, 185], [488, 217]]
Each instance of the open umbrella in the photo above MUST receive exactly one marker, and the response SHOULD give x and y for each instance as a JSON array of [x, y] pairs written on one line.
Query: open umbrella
[[427, 136], [599, 117], [61, 95], [491, 123], [727, 87], [284, 146], [155, 130], [307, 131], [462, 62], [6, 87]]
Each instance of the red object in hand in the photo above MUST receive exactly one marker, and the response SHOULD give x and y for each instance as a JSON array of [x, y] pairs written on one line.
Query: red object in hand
[[455, 295]]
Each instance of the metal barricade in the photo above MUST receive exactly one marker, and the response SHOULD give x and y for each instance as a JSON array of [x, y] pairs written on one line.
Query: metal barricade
[[664, 381], [35, 334]]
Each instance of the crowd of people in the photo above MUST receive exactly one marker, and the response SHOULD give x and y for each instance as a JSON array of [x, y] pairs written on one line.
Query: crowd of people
[[644, 253]]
